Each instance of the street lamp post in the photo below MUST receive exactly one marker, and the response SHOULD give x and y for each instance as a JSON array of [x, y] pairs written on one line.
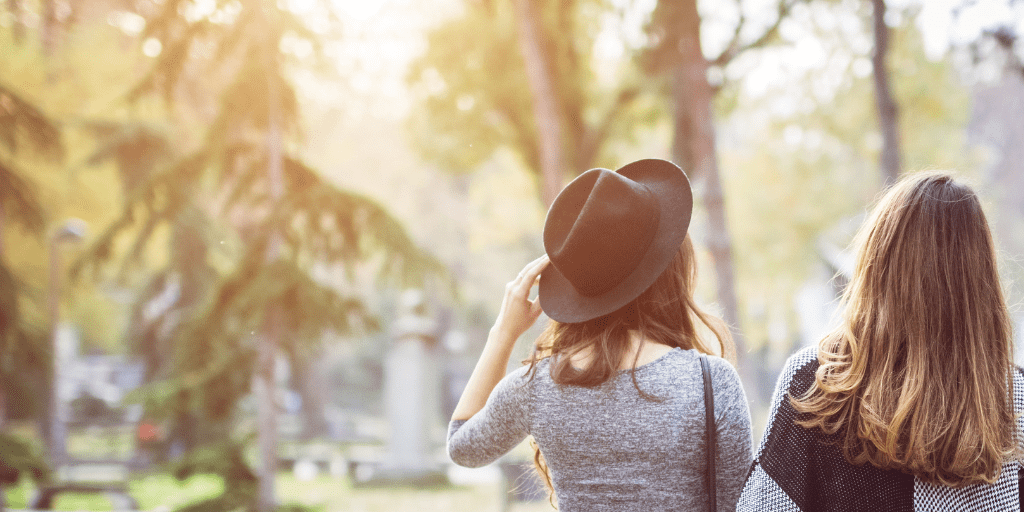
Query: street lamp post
[[72, 230]]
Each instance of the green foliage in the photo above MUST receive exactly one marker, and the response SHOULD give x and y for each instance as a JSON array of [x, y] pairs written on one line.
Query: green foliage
[[23, 125], [320, 223], [799, 178], [215, 349], [23, 345], [135, 148], [237, 246], [225, 460], [18, 457], [453, 70], [24, 131], [472, 95], [18, 197]]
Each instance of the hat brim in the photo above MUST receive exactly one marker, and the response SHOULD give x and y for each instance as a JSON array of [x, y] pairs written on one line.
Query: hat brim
[[561, 302]]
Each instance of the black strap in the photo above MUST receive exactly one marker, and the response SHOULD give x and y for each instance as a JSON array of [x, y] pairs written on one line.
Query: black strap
[[709, 420]]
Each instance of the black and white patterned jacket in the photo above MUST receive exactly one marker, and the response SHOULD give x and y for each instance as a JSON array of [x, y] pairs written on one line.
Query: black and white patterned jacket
[[796, 470]]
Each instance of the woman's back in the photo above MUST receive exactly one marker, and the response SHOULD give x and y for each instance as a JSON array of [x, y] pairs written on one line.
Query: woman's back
[[913, 401], [609, 448], [801, 469], [617, 284]]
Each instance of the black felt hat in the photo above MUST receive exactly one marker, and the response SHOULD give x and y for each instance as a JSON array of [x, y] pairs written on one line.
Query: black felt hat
[[609, 235]]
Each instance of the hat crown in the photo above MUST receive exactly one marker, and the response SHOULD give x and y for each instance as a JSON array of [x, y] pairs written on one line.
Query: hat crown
[[599, 228]]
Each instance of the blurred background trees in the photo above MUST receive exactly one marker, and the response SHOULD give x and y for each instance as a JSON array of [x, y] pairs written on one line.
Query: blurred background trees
[[261, 178]]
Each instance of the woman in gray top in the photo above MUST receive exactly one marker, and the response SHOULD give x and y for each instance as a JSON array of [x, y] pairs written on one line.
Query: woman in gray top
[[613, 392]]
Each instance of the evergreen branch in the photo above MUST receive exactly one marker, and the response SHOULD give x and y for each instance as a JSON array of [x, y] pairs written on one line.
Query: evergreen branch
[[19, 456], [291, 22], [133, 256], [19, 199], [226, 460], [138, 324], [244, 189], [210, 346], [161, 24], [232, 41], [338, 226], [20, 120], [161, 196], [245, 105], [169, 66], [136, 148], [22, 345]]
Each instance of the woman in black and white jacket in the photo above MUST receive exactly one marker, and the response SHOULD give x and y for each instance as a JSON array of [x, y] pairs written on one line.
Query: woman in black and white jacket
[[913, 402]]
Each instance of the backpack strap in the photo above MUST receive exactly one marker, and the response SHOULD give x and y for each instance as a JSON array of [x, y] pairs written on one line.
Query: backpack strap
[[712, 444]]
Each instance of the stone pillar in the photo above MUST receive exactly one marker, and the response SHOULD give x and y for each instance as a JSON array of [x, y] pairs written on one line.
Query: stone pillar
[[412, 396]]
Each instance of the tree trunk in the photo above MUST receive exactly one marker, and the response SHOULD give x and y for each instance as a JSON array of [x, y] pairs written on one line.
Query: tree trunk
[[310, 378], [888, 112], [264, 377], [264, 386], [5, 389], [17, 22], [54, 440], [694, 147], [546, 108], [682, 122], [49, 29]]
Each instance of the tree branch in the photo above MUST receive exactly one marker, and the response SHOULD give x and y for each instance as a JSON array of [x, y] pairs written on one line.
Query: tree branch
[[594, 137], [736, 47]]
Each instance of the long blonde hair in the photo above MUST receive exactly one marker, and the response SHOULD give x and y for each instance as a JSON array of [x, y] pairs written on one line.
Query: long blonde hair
[[665, 313], [918, 376]]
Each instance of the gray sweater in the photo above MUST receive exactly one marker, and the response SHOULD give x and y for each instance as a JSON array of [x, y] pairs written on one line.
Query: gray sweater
[[608, 448]]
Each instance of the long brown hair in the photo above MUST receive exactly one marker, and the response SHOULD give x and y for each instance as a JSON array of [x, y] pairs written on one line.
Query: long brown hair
[[665, 313], [918, 376]]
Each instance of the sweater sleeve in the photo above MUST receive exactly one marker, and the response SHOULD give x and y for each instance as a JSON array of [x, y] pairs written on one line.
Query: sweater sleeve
[[732, 422], [502, 424]]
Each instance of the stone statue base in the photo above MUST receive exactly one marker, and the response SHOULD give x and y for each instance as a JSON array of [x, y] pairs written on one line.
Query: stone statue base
[[368, 474]]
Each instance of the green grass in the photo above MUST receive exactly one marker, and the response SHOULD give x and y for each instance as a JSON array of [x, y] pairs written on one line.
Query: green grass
[[151, 492], [164, 490], [330, 495], [325, 493], [116, 443]]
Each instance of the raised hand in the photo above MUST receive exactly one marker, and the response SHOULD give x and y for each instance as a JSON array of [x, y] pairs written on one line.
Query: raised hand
[[518, 312]]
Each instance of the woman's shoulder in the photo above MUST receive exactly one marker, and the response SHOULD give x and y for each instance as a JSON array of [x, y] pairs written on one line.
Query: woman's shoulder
[[722, 371], [1018, 398], [797, 374], [803, 357], [526, 375]]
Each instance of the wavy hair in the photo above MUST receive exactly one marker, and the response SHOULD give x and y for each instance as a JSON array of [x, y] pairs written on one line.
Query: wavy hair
[[918, 376], [665, 313]]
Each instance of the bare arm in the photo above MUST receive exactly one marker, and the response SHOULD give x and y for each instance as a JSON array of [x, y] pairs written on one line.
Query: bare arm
[[517, 314]]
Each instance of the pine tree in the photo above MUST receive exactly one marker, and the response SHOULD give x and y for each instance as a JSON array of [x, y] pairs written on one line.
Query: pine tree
[[277, 219], [25, 133]]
